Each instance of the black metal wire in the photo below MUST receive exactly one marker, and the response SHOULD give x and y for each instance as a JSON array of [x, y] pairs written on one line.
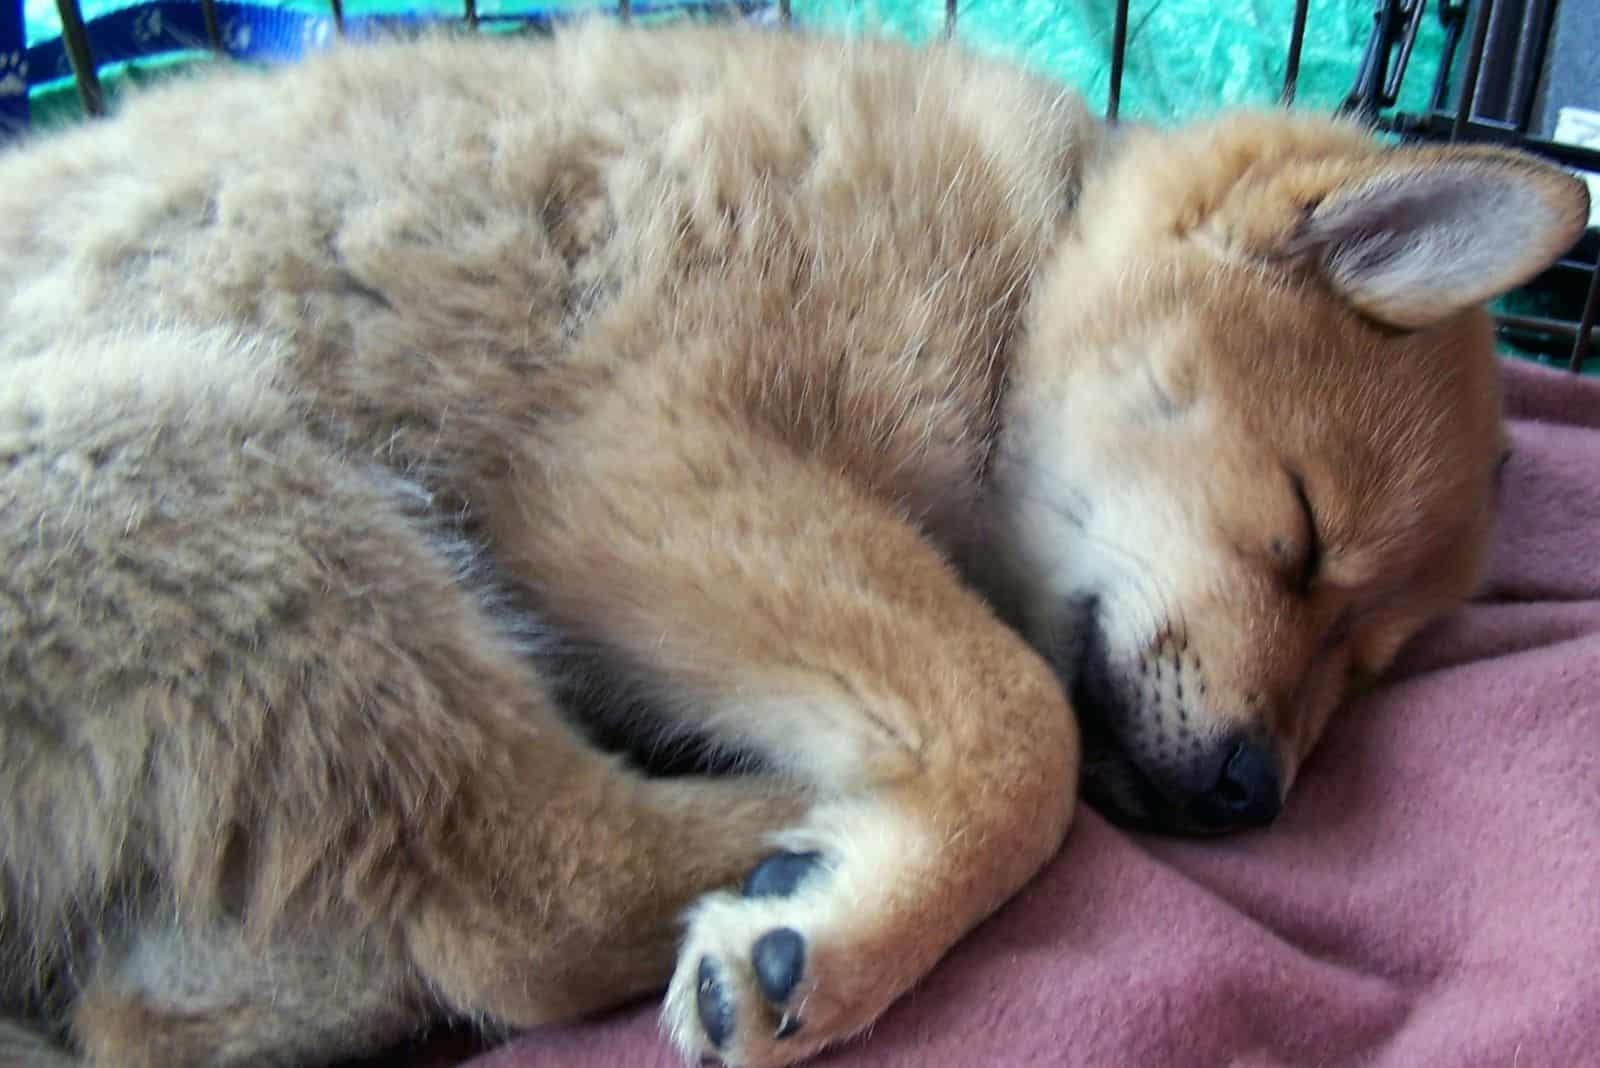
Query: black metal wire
[[1452, 16], [1411, 10], [1377, 85], [1365, 94], [1591, 312], [75, 39], [1532, 39], [1119, 52], [1297, 40], [1539, 331], [338, 16], [1469, 82], [208, 11]]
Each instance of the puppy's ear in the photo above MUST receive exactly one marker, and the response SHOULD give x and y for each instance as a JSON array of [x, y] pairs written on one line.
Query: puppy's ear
[[1422, 235]]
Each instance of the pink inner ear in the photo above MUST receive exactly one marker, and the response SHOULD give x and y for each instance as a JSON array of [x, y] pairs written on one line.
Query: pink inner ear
[[1413, 246]]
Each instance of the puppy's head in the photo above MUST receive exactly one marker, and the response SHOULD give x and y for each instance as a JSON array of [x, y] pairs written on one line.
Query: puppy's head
[[1250, 446]]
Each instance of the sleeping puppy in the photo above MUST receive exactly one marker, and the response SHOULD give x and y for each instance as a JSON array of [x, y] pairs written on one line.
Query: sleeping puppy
[[861, 412]]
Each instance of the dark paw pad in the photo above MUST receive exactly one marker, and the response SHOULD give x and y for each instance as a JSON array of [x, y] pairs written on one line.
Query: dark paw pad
[[716, 1011], [779, 874], [779, 958]]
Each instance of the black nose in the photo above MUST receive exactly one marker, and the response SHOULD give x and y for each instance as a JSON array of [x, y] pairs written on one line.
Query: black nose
[[1246, 793]]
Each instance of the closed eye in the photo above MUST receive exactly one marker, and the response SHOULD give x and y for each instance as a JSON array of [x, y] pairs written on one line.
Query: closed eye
[[1311, 561], [1165, 406]]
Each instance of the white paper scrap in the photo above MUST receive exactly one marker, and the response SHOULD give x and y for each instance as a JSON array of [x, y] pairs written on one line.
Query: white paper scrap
[[1580, 126]]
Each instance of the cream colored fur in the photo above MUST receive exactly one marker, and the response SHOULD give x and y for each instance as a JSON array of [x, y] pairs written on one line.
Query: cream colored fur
[[845, 405]]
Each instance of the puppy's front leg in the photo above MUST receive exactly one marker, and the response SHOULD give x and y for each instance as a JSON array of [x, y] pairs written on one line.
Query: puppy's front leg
[[767, 602]]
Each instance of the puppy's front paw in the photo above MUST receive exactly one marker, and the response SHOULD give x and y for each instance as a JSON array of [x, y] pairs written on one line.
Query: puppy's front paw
[[771, 968], [821, 938]]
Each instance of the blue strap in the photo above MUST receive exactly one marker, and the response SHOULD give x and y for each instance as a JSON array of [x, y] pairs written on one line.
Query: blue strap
[[14, 80], [260, 32]]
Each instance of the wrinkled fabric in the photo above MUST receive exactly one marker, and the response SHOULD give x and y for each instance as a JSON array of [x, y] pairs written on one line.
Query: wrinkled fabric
[[1184, 57]]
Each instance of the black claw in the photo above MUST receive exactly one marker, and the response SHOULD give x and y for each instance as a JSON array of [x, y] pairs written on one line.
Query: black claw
[[779, 958], [716, 1011], [787, 1026], [779, 874]]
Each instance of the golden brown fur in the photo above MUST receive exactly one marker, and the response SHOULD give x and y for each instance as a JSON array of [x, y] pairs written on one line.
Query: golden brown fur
[[356, 418]]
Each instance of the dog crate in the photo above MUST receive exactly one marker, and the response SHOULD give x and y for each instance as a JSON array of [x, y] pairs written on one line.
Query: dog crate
[[1519, 72]]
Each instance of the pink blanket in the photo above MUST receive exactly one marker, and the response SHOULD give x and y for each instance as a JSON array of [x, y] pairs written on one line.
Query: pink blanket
[[1431, 896]]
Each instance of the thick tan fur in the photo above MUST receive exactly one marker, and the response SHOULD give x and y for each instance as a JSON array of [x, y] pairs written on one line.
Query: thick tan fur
[[836, 403]]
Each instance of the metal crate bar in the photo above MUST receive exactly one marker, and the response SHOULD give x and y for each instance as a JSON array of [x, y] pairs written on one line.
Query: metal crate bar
[[1540, 330], [1363, 96], [1119, 53], [1591, 312], [1513, 61], [1412, 11], [1453, 15], [1297, 40], [208, 11], [75, 39], [1377, 84], [1469, 82]]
